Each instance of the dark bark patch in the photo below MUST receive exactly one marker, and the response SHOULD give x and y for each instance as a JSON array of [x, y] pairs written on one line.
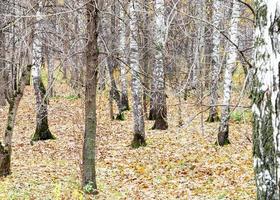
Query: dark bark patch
[[213, 118], [160, 124], [5, 162], [223, 137], [138, 141]]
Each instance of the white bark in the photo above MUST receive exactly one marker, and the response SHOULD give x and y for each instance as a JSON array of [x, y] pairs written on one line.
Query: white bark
[[266, 101], [123, 51], [37, 44], [229, 68], [42, 130], [158, 70], [137, 91], [216, 63]]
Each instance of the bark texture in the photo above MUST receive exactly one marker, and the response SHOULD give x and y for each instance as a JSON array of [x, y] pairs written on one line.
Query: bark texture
[[223, 133], [2, 65], [158, 70], [137, 91], [216, 63], [88, 166], [42, 131], [124, 46], [13, 98], [266, 101]]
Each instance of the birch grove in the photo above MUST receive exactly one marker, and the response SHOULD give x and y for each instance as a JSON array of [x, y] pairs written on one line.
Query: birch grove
[[124, 88]]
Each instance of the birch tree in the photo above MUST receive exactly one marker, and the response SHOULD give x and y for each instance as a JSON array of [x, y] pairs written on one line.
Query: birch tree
[[229, 68], [266, 100], [2, 62], [136, 87], [88, 166], [13, 98], [216, 18], [42, 131], [124, 49], [158, 69]]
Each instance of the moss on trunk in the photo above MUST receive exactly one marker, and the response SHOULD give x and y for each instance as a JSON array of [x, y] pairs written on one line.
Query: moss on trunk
[[42, 131], [120, 117], [213, 118], [138, 141], [5, 162]]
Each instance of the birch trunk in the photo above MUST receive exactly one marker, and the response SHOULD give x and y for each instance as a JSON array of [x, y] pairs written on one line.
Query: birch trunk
[[89, 154], [14, 98], [147, 55], [123, 55], [2, 66], [266, 101], [230, 66], [158, 71], [112, 61], [216, 63], [137, 93], [42, 127]]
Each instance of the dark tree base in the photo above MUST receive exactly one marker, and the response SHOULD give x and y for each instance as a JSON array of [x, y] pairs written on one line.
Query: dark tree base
[[43, 135], [4, 162], [223, 137], [3, 102], [152, 115], [124, 103], [120, 117], [213, 118], [160, 124], [138, 141], [224, 143]]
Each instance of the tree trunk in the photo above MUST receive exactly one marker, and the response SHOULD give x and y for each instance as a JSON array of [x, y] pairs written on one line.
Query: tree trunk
[[89, 154], [158, 71], [266, 101], [112, 61], [42, 127], [50, 64], [147, 55], [213, 114], [13, 98], [123, 54], [230, 65], [137, 93], [3, 83]]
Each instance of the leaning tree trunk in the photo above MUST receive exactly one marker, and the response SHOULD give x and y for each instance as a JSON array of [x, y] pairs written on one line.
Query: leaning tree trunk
[[42, 131], [139, 127], [266, 101], [88, 171], [213, 114], [13, 98], [230, 65], [158, 73]]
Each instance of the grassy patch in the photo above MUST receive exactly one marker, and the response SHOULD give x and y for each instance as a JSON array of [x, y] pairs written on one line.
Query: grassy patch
[[241, 116]]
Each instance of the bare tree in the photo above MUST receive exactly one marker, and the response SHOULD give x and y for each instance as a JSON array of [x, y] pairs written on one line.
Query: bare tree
[[88, 166], [42, 131], [137, 92], [229, 69]]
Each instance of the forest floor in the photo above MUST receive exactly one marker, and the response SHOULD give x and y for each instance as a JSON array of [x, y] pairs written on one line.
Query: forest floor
[[180, 163]]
